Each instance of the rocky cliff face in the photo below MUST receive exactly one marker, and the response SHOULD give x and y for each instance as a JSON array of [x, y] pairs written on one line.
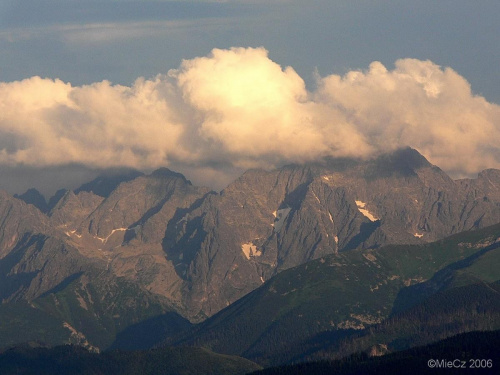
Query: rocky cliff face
[[268, 221], [16, 219], [95, 263], [186, 248]]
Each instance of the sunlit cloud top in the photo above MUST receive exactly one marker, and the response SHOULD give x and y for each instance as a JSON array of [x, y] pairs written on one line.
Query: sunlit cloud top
[[86, 41]]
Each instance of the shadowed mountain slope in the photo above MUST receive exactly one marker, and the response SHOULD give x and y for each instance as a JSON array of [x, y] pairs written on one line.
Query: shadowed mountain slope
[[133, 248], [354, 301]]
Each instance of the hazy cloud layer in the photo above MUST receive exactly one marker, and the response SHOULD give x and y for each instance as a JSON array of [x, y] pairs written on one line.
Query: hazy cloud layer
[[238, 109]]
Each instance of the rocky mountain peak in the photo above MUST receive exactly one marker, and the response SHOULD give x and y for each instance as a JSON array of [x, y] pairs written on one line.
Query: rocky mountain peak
[[56, 198], [34, 197], [409, 157], [404, 162], [104, 184], [202, 251], [486, 186], [167, 173], [493, 175]]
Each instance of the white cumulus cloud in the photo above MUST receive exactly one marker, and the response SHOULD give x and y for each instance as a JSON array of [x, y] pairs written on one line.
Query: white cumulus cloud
[[418, 104], [236, 108]]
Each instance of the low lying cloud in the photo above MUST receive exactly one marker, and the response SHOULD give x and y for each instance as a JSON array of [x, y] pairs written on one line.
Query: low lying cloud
[[236, 109]]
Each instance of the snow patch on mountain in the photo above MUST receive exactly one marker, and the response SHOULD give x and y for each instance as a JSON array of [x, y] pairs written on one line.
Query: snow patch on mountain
[[250, 250], [362, 208], [104, 240], [316, 197], [72, 232]]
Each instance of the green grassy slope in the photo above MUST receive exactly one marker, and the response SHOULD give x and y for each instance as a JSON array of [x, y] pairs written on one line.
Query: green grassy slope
[[464, 348], [339, 295], [73, 360], [90, 310], [444, 314], [21, 322]]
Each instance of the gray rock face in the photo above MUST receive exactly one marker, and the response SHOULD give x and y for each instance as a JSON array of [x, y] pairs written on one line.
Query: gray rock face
[[34, 197], [105, 184], [126, 229], [268, 221], [16, 219], [72, 209], [197, 251], [94, 263]]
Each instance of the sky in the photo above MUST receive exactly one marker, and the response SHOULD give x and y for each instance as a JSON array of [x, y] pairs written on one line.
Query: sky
[[211, 88]]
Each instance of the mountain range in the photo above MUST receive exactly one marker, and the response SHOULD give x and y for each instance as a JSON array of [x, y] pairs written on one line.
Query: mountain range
[[132, 260]]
